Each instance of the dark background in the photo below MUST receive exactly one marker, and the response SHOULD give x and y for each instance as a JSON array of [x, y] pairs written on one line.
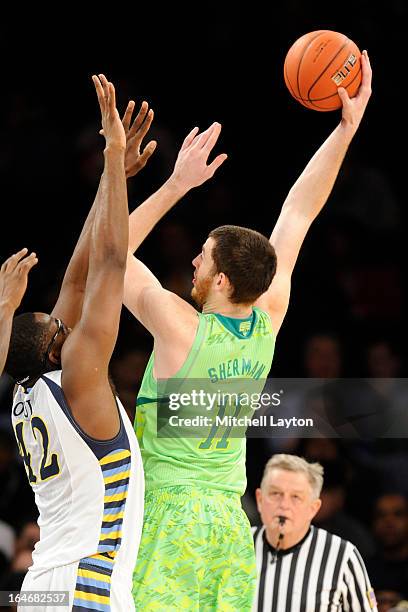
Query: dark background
[[196, 64]]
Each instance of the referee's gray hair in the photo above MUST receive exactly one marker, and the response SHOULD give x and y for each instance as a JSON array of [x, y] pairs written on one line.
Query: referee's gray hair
[[293, 463]]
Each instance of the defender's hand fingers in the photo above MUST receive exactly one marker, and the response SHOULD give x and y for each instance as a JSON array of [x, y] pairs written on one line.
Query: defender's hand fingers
[[146, 125], [28, 263], [140, 117], [147, 153], [13, 260]]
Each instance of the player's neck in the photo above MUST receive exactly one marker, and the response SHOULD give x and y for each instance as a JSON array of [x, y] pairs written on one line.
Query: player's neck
[[224, 307]]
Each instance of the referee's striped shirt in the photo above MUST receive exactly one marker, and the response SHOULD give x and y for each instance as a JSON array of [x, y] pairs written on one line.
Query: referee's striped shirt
[[322, 573]]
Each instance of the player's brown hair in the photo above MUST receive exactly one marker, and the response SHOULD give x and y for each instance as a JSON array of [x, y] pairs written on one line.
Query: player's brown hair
[[247, 258]]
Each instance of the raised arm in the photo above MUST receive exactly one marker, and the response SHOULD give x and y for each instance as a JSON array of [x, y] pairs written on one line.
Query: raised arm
[[156, 308], [86, 353], [69, 304], [190, 170], [308, 196], [13, 284], [68, 307]]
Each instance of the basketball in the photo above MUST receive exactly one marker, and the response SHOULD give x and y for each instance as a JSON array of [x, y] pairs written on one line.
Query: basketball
[[317, 64]]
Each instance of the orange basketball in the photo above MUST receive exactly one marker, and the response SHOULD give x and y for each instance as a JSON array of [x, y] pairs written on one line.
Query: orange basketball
[[317, 64]]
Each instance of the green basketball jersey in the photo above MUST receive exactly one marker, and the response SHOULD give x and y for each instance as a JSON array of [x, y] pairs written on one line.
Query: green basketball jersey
[[227, 356]]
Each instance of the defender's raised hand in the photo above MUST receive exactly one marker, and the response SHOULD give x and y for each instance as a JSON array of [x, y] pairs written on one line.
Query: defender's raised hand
[[112, 127], [13, 284], [13, 278], [135, 133]]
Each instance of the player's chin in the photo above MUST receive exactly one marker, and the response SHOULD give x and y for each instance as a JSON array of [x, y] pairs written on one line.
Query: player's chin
[[195, 296]]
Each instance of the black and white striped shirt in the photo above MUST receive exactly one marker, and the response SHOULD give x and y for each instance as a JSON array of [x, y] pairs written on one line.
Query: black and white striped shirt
[[322, 573]]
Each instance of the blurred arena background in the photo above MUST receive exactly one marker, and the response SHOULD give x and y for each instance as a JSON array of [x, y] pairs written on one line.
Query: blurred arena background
[[195, 65]]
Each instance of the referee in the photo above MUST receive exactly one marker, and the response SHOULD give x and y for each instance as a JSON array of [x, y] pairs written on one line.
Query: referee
[[302, 568]]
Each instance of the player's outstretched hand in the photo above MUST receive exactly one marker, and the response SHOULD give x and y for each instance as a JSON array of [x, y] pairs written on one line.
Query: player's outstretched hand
[[353, 108], [135, 133], [112, 127], [191, 169], [14, 277]]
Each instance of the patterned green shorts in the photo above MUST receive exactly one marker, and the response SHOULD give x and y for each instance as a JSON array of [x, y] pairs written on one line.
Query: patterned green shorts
[[196, 552]]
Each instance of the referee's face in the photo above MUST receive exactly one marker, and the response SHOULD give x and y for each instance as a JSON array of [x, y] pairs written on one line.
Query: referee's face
[[290, 495]]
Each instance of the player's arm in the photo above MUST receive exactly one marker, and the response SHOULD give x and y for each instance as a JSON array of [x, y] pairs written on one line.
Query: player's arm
[[88, 349], [157, 309], [13, 284], [171, 320], [190, 170], [68, 307], [308, 196], [69, 304]]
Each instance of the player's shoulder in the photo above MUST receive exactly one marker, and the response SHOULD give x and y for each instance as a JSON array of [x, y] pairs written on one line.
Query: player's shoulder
[[169, 303], [263, 315], [166, 315], [158, 293], [54, 375]]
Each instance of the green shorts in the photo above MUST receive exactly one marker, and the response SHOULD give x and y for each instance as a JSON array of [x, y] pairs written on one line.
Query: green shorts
[[196, 552]]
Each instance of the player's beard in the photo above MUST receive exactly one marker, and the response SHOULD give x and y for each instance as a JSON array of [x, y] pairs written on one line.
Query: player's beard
[[201, 289]]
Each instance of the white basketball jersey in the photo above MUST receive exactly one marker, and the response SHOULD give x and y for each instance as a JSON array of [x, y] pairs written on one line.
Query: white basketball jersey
[[89, 493]]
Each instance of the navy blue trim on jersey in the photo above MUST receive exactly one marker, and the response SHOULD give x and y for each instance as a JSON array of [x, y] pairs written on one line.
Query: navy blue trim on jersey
[[100, 448]]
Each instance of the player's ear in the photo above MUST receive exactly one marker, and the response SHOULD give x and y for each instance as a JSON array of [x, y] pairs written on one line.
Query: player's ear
[[54, 356], [223, 281]]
